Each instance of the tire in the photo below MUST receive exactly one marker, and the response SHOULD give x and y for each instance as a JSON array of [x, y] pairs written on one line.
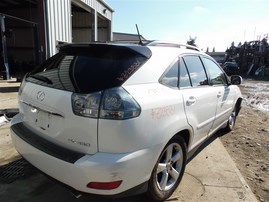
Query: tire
[[168, 170], [231, 121]]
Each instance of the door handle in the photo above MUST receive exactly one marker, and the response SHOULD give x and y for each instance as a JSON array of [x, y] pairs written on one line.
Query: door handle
[[191, 100], [219, 94]]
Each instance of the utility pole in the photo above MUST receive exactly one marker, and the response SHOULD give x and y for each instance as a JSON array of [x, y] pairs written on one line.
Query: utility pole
[[4, 45], [254, 33]]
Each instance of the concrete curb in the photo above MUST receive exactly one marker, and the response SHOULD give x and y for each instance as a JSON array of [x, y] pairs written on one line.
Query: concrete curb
[[213, 176], [243, 181]]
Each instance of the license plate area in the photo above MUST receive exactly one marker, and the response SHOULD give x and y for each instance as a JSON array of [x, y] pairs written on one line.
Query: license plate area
[[49, 123], [43, 120]]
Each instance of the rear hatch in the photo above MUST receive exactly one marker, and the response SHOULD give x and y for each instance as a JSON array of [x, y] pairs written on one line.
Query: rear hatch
[[47, 93]]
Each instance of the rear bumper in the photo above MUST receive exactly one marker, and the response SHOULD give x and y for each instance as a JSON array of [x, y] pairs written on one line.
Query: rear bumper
[[132, 168]]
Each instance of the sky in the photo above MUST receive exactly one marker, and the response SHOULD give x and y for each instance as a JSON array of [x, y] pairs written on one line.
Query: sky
[[214, 23]]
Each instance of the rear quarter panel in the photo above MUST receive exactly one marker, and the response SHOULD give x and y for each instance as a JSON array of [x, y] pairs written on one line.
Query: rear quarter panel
[[162, 116]]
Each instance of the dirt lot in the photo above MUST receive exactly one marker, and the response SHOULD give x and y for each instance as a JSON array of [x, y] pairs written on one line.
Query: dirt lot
[[248, 144]]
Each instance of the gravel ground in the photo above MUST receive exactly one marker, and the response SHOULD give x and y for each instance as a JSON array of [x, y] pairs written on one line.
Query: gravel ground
[[248, 143]]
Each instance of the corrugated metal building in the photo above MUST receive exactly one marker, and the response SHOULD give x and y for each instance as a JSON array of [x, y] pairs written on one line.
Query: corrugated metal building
[[32, 29], [118, 36]]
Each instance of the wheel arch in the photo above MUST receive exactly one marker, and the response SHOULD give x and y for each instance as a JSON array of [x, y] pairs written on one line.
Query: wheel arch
[[238, 105], [186, 135]]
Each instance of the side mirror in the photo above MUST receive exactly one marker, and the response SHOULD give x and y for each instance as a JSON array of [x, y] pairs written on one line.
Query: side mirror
[[236, 80]]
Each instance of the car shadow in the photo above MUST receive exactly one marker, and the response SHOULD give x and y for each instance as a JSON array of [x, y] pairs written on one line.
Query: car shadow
[[202, 146]]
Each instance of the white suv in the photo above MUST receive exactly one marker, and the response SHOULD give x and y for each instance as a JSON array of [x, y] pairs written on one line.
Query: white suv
[[115, 119]]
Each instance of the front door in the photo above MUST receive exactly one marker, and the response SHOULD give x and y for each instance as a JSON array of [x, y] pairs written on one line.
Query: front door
[[225, 98]]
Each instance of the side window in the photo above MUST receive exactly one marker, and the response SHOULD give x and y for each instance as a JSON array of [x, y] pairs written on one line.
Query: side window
[[170, 78], [217, 76], [196, 70], [184, 79]]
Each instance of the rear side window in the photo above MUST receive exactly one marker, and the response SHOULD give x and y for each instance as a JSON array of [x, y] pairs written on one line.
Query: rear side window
[[88, 69], [196, 70], [170, 78], [184, 80]]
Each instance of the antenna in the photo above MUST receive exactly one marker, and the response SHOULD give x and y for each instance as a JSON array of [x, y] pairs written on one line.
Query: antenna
[[139, 36]]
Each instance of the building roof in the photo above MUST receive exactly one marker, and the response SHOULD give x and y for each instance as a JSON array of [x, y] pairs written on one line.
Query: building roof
[[117, 36]]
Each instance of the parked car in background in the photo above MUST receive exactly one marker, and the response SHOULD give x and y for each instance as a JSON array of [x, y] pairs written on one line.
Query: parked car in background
[[231, 68], [115, 119]]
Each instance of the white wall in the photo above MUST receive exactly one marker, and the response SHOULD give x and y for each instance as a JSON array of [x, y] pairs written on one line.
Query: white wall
[[59, 23]]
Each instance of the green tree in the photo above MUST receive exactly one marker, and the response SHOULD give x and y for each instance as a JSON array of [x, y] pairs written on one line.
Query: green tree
[[191, 41]]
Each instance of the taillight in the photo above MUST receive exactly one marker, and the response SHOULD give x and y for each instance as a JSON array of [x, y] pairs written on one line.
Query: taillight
[[22, 86], [114, 103], [118, 104], [86, 104]]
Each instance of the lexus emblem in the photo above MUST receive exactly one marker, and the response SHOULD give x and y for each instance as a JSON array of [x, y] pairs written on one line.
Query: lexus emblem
[[40, 95]]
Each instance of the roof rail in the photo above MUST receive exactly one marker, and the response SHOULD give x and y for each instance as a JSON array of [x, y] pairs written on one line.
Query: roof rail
[[135, 41], [171, 44]]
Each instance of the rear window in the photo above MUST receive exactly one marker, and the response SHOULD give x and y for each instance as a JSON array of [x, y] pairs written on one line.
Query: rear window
[[89, 69]]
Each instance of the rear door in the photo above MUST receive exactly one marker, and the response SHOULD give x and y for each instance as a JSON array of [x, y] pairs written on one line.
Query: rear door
[[199, 98], [46, 105], [61, 98]]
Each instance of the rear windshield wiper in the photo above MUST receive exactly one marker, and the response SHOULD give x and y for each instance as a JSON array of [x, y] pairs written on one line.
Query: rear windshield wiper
[[41, 78]]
